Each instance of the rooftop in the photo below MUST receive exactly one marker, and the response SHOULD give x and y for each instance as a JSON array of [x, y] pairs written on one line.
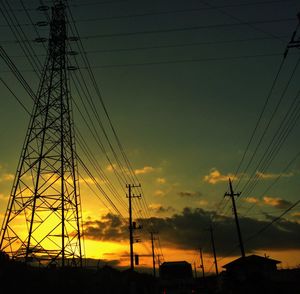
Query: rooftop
[[251, 259]]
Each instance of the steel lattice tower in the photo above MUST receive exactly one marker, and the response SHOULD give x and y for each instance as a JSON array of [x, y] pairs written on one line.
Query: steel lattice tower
[[43, 218]]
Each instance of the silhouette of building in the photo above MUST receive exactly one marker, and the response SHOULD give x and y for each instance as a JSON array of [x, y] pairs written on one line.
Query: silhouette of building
[[175, 270], [250, 265], [251, 274], [176, 277]]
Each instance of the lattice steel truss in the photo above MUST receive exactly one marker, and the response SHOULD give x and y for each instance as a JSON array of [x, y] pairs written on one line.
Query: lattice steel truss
[[43, 218]]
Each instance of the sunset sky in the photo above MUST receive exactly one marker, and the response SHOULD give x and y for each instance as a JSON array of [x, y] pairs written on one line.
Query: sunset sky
[[184, 83]]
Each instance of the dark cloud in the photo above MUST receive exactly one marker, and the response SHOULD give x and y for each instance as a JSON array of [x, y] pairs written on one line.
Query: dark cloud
[[296, 215], [98, 263], [188, 230], [109, 228], [268, 216], [189, 194], [161, 208], [276, 202]]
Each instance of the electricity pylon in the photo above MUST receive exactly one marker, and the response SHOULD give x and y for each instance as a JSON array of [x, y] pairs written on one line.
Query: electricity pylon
[[42, 223]]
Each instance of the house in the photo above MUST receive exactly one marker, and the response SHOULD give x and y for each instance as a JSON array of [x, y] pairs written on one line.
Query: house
[[257, 274], [176, 277], [252, 265], [175, 270]]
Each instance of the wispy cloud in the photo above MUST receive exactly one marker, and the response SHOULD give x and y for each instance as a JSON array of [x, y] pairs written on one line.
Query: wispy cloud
[[144, 170], [7, 177], [3, 197], [111, 167], [161, 180], [215, 176], [276, 202], [189, 194], [89, 181], [270, 176], [159, 193], [159, 208], [251, 200], [202, 203]]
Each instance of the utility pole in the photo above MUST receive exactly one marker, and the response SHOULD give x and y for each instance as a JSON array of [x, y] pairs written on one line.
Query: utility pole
[[202, 264], [213, 248], [231, 194], [158, 260], [295, 40], [153, 253], [130, 196]]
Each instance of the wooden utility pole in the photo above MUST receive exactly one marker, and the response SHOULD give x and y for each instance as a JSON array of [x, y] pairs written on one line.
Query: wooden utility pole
[[158, 259], [231, 194], [153, 253], [202, 264], [130, 196], [213, 248]]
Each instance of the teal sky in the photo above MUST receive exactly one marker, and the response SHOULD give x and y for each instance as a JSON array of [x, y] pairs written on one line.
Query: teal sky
[[184, 83]]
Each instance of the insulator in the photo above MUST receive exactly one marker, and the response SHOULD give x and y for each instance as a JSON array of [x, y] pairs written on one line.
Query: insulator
[[41, 23], [72, 52], [73, 38], [71, 68], [40, 40], [43, 8]]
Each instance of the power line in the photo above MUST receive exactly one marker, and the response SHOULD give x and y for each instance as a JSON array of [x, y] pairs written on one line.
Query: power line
[[280, 136], [272, 222], [80, 96], [20, 35], [146, 14], [32, 95], [268, 125], [262, 229], [258, 122], [273, 182], [19, 101], [240, 21], [233, 5], [77, 5], [273, 149], [193, 60], [184, 29], [203, 8], [87, 170], [17, 73], [178, 61], [94, 111], [81, 162], [184, 45]]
